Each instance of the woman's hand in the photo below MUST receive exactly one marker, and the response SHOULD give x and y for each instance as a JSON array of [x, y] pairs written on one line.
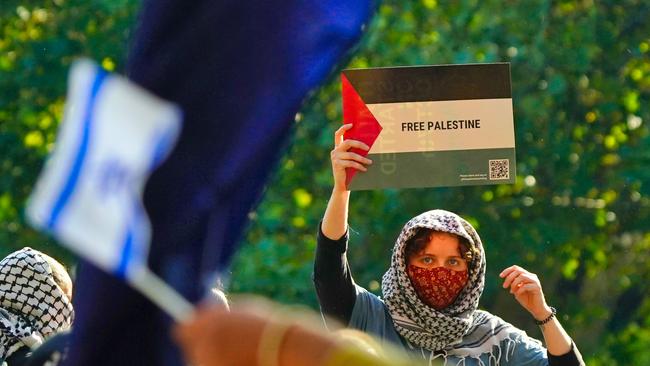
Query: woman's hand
[[526, 288], [342, 158]]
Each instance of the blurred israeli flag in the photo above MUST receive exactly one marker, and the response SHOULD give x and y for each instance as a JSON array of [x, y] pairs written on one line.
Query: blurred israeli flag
[[89, 194]]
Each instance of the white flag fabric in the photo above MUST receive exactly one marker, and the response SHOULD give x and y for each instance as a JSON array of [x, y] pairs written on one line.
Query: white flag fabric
[[89, 195]]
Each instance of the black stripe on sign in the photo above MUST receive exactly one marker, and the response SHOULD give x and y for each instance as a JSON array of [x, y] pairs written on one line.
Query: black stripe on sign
[[431, 83]]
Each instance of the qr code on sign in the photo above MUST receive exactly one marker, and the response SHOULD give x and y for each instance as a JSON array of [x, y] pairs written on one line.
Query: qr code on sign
[[499, 169]]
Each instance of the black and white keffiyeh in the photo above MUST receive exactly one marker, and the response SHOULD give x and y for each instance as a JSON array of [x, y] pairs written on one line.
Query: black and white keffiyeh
[[448, 329], [32, 305]]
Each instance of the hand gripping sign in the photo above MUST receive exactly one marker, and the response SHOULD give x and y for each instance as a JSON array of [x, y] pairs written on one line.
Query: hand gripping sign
[[89, 195]]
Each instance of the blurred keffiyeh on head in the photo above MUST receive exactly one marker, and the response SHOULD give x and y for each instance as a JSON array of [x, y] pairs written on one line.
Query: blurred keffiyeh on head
[[35, 303]]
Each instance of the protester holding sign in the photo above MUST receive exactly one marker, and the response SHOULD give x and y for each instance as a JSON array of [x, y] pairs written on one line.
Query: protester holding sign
[[432, 288]]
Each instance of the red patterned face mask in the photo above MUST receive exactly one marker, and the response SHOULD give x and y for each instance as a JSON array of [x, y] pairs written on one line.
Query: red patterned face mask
[[437, 287]]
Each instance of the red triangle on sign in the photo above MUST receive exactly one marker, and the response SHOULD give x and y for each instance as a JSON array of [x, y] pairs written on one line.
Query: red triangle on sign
[[365, 127]]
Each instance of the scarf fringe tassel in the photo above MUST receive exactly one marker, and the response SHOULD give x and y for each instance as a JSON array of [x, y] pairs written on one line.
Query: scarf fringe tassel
[[494, 356]]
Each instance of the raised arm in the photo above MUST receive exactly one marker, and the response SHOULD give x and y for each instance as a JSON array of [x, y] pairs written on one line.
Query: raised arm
[[335, 220], [527, 290], [332, 278]]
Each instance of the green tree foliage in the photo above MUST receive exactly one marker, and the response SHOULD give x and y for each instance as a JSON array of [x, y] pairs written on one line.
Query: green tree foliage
[[578, 214]]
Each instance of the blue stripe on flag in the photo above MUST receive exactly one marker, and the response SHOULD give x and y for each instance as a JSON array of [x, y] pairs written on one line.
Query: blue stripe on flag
[[165, 142], [132, 248], [125, 256], [73, 177]]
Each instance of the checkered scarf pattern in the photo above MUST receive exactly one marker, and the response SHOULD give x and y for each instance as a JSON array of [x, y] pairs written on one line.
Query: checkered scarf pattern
[[32, 305], [418, 323]]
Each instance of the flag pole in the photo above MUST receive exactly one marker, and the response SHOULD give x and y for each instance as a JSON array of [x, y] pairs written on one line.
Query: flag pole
[[161, 294]]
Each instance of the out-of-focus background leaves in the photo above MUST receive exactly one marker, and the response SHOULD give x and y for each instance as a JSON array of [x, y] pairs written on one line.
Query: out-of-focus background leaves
[[578, 215]]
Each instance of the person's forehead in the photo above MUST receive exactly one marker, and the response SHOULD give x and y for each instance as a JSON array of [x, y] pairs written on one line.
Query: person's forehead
[[442, 243]]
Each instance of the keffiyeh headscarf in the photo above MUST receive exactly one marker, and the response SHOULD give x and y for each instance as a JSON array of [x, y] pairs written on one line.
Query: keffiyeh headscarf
[[32, 305], [448, 329]]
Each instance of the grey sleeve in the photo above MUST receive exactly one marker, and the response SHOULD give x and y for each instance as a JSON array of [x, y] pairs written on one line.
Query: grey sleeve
[[371, 315], [529, 352]]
